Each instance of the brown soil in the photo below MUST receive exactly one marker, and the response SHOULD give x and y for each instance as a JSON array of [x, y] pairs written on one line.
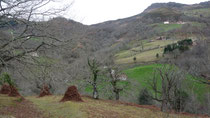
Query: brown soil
[[5, 89], [45, 91], [24, 109], [14, 92], [72, 95]]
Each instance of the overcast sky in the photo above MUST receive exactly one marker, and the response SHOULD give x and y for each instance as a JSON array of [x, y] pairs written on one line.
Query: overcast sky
[[96, 11]]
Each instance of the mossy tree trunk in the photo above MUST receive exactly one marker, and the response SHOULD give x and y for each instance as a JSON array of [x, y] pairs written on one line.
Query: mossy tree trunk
[[94, 67]]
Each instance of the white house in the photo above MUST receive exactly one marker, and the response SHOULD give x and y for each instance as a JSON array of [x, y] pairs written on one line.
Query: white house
[[122, 77], [166, 22], [34, 54]]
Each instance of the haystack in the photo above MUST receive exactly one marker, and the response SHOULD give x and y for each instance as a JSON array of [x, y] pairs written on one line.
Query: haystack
[[14, 92], [72, 94], [5, 89], [45, 91]]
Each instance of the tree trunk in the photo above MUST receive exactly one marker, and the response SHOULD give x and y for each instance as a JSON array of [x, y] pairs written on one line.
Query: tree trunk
[[95, 92], [1, 68], [164, 95], [164, 106], [117, 95]]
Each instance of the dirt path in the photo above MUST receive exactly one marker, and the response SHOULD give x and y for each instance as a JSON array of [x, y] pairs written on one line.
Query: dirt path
[[24, 109]]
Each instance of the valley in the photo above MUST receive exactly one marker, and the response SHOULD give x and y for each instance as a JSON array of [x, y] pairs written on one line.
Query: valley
[[155, 64]]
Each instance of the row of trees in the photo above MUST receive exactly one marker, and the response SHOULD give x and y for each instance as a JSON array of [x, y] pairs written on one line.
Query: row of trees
[[180, 45], [112, 75], [167, 87]]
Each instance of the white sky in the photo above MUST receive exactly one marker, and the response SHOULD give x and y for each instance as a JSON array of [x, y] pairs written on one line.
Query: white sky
[[96, 11]]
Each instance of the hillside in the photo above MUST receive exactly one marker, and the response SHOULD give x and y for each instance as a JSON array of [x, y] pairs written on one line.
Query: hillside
[[49, 107], [120, 40], [134, 47]]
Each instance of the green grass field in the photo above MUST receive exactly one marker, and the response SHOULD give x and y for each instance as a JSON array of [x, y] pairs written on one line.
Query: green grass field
[[166, 27], [147, 54], [143, 74]]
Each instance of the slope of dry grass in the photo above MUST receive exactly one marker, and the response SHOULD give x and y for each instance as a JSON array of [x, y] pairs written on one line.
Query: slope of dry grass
[[50, 107], [147, 54], [91, 108], [12, 107]]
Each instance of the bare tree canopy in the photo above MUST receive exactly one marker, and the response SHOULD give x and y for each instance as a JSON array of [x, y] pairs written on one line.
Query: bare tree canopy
[[20, 34], [197, 62], [29, 9], [170, 82]]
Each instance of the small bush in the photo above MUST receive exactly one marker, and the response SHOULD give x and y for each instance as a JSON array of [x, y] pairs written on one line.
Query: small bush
[[5, 78], [134, 59], [145, 97], [157, 55]]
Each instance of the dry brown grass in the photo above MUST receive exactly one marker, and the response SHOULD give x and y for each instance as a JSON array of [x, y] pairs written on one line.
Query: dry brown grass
[[50, 107], [91, 108]]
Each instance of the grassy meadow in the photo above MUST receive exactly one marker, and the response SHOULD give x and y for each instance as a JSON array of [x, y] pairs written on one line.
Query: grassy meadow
[[147, 53], [166, 27], [143, 74]]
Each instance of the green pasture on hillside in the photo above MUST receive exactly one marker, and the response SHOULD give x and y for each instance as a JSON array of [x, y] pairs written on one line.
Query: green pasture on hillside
[[144, 74]]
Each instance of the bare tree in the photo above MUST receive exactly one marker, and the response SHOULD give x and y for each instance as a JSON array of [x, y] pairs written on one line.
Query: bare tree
[[170, 82], [21, 29], [43, 73]]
